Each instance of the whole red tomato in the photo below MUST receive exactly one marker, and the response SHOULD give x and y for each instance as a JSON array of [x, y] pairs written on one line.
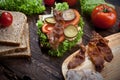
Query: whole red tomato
[[70, 2], [103, 16], [6, 19]]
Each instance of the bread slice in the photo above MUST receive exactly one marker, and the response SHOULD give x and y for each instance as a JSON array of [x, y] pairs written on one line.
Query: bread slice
[[12, 35], [11, 49], [22, 54]]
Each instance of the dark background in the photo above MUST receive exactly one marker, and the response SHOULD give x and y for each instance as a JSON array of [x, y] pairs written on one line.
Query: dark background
[[41, 66]]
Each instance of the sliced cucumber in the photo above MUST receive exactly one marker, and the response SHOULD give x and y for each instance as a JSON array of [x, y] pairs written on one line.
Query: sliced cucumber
[[68, 15], [71, 31], [50, 20]]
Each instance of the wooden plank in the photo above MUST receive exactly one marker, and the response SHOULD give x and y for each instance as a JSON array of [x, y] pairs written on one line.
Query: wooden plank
[[41, 65], [111, 70]]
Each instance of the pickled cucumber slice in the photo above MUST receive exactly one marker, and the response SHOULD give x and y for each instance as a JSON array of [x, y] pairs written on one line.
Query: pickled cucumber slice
[[71, 31], [50, 20], [68, 15]]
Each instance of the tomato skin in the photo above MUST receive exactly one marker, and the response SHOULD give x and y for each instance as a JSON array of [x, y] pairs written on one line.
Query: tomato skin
[[6, 19], [75, 21], [62, 38], [103, 16], [70, 2], [46, 28]]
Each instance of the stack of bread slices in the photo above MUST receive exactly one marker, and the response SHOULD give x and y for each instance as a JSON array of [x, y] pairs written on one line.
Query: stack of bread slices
[[14, 40]]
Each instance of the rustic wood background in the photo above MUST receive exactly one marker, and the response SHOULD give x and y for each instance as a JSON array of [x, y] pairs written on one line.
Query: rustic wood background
[[41, 66]]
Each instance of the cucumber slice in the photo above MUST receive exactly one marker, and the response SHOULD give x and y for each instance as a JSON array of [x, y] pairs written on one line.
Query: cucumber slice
[[68, 15], [70, 31], [50, 20]]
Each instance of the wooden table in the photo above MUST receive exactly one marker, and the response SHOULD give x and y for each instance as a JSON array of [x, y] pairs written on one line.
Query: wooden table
[[41, 66]]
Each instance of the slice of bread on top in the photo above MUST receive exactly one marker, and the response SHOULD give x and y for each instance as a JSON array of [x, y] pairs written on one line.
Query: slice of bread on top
[[12, 35], [22, 54]]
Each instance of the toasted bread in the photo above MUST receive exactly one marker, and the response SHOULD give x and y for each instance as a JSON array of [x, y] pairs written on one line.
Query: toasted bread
[[25, 53], [12, 35]]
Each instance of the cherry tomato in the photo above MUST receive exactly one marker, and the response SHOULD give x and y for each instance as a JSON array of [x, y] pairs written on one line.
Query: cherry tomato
[[6, 19], [103, 16]]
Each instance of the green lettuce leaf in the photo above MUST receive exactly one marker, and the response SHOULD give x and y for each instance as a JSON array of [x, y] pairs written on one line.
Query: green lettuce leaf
[[26, 6], [87, 6], [64, 46]]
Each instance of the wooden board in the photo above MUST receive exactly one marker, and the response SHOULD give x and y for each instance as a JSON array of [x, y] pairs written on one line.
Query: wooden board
[[111, 70]]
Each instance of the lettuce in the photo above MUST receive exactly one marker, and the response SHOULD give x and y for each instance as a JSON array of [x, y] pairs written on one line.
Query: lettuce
[[64, 46], [61, 6], [87, 6], [26, 6]]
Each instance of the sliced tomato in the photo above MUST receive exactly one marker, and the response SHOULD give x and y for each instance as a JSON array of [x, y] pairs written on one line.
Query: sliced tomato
[[47, 28], [62, 38], [75, 21]]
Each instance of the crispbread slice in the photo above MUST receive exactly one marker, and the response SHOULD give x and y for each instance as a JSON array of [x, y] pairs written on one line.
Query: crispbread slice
[[12, 35], [23, 53], [11, 49]]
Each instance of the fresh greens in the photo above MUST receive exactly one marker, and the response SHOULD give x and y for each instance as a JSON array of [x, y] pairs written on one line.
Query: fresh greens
[[63, 47], [26, 6], [66, 44], [87, 6], [39, 23], [61, 6], [42, 36]]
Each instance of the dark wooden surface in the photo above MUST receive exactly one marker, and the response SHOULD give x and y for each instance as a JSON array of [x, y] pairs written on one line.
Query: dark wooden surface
[[41, 66]]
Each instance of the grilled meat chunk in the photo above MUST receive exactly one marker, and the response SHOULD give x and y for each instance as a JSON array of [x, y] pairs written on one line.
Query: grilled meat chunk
[[105, 50], [98, 51], [78, 58], [95, 56]]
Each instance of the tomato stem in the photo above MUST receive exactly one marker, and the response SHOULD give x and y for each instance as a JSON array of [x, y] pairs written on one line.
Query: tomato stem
[[105, 9]]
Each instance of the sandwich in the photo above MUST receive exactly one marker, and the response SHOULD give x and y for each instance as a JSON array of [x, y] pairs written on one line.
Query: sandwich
[[61, 30]]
